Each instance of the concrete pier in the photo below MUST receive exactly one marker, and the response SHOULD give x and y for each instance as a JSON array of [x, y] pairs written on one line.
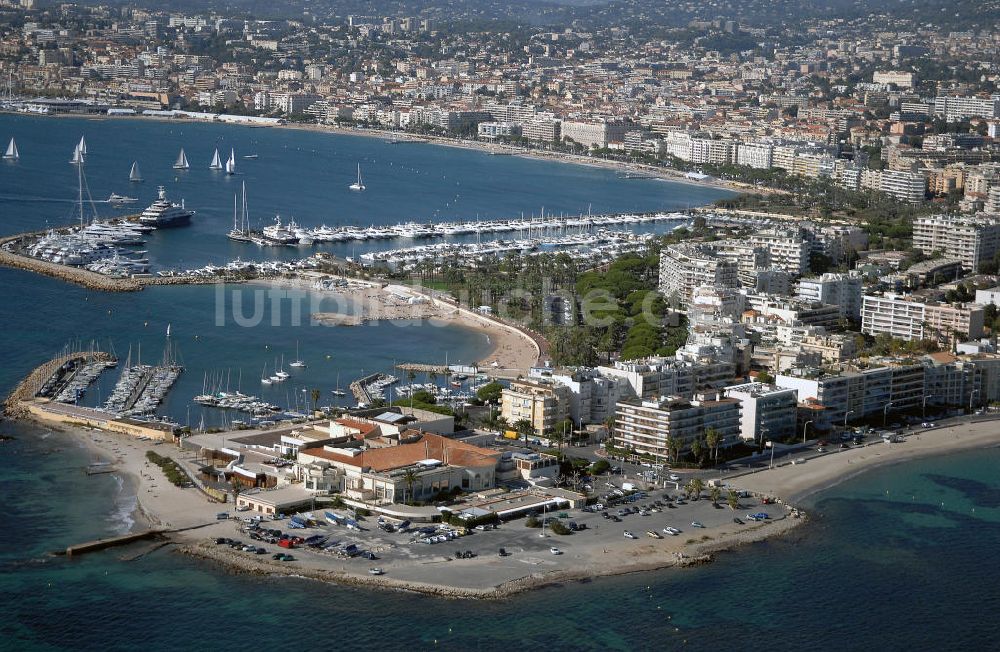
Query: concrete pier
[[103, 544]]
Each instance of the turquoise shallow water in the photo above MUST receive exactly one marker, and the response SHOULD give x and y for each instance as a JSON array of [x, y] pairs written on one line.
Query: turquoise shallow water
[[871, 570]]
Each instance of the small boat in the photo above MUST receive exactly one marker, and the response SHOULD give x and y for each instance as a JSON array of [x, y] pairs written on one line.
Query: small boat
[[77, 156], [264, 379], [231, 163], [12, 154], [121, 199], [250, 156], [358, 185], [297, 363], [376, 571], [135, 176], [338, 391], [216, 163], [168, 330], [182, 161]]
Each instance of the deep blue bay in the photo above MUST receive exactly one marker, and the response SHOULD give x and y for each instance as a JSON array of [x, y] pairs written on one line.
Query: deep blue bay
[[898, 558]]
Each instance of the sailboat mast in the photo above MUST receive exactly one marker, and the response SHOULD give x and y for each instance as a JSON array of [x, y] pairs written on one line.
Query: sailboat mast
[[79, 179]]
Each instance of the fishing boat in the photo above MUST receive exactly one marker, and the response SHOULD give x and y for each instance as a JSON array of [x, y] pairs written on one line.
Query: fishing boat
[[231, 162], [182, 161], [358, 185], [216, 163], [297, 363], [12, 154], [135, 176]]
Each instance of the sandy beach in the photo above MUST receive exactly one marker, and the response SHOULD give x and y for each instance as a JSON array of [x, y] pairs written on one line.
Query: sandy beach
[[597, 551], [512, 351], [795, 482]]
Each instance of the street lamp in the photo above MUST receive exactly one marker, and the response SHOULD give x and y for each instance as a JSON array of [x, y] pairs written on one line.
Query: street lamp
[[805, 426], [847, 414], [885, 414], [925, 404]]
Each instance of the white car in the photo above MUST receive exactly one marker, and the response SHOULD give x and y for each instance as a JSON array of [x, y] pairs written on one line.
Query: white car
[[674, 477], [629, 535], [555, 551]]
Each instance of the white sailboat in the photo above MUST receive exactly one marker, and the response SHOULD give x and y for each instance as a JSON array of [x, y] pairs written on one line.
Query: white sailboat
[[264, 379], [338, 391], [298, 361], [231, 163], [281, 373], [77, 156], [216, 163], [182, 161], [135, 176], [358, 185], [168, 330], [241, 222], [82, 146], [12, 154]]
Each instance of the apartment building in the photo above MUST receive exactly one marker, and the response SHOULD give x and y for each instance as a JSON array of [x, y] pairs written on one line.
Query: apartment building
[[670, 376], [755, 155], [787, 249], [906, 186], [593, 133], [906, 319], [841, 290], [655, 426], [972, 240], [767, 412], [686, 266], [956, 108], [544, 404]]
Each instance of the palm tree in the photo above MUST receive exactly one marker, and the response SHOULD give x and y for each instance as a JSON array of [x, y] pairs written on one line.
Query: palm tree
[[524, 427], [694, 487], [713, 438], [714, 493], [235, 487], [409, 477], [501, 424], [315, 394], [733, 499]]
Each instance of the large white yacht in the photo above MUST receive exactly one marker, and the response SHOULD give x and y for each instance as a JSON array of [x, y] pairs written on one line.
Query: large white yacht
[[163, 213]]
